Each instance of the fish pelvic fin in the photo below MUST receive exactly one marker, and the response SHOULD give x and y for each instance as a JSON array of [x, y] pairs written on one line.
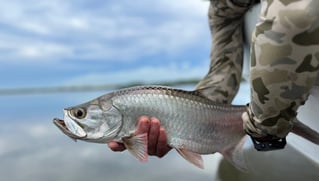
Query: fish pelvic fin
[[194, 158], [235, 155], [137, 146], [306, 132]]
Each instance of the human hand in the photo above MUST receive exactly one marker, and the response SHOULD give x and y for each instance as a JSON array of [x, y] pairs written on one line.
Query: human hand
[[157, 140]]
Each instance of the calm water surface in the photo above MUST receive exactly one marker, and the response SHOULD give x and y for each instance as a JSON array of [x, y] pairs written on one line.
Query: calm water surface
[[32, 149]]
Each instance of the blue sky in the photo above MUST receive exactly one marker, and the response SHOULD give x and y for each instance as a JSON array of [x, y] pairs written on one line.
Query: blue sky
[[57, 42]]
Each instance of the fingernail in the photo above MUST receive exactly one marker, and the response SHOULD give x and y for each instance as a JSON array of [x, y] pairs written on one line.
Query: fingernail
[[155, 120]]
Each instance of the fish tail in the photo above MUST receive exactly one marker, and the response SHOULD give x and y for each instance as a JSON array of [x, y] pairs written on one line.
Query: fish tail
[[305, 131]]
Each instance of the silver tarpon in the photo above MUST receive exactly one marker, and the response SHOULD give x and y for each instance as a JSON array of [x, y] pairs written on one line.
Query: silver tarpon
[[194, 124]]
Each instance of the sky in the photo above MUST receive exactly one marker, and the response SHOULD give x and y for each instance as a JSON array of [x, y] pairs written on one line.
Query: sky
[[63, 43], [80, 42], [57, 42]]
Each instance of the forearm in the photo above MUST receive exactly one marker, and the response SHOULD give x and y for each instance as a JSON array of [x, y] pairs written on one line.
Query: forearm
[[224, 76], [284, 65]]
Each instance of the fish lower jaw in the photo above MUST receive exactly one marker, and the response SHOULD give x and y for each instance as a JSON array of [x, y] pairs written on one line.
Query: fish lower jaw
[[63, 127]]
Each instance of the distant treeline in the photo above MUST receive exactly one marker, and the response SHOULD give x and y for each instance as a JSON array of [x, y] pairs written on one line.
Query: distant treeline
[[87, 88]]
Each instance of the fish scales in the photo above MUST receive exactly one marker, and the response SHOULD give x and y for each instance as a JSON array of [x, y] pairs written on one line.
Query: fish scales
[[190, 119], [194, 124]]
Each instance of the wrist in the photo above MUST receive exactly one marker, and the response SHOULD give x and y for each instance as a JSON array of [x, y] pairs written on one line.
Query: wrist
[[262, 141], [268, 143]]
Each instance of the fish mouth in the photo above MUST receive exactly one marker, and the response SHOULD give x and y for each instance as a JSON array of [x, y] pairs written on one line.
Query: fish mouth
[[61, 124]]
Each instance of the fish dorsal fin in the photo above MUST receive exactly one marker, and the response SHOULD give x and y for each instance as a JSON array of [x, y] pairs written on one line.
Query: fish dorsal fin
[[192, 157], [205, 91], [137, 146], [235, 155]]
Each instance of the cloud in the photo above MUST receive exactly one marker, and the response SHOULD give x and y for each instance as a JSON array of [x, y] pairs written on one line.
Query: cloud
[[146, 74], [39, 151], [99, 30]]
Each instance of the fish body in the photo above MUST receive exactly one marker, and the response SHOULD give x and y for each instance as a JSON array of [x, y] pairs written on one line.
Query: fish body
[[194, 124], [190, 119]]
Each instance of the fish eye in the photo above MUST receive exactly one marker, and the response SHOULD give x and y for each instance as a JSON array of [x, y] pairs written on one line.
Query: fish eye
[[79, 113]]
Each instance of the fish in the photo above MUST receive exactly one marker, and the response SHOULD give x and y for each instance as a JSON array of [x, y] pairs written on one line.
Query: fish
[[194, 124]]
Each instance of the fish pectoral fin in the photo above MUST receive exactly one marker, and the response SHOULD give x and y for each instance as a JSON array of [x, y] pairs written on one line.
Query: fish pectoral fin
[[235, 155], [137, 146], [194, 158]]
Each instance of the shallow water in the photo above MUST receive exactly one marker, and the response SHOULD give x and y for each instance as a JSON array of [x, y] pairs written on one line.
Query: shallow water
[[32, 148]]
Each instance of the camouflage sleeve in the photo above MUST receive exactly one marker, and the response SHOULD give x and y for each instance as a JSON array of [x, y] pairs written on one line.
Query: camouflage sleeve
[[226, 25], [284, 65]]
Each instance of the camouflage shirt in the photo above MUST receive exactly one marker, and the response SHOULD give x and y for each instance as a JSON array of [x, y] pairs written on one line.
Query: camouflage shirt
[[284, 60]]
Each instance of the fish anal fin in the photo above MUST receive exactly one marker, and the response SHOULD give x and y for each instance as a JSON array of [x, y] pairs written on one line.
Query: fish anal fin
[[235, 155], [194, 158], [137, 146]]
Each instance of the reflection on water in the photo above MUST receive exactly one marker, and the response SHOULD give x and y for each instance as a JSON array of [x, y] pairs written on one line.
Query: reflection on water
[[31, 148], [288, 164]]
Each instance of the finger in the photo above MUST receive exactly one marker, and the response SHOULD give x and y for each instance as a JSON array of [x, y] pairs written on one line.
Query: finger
[[115, 146], [143, 125], [162, 146], [153, 136]]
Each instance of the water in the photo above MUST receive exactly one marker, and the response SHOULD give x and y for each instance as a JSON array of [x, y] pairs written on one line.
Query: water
[[32, 148]]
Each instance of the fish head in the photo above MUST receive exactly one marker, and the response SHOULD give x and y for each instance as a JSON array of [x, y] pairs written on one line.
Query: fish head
[[96, 121]]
